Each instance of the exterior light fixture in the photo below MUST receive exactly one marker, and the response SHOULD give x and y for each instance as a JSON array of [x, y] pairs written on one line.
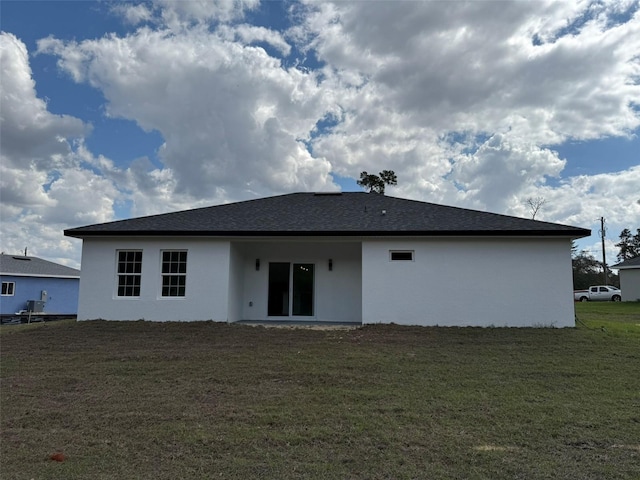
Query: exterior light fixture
[[257, 264], [330, 264]]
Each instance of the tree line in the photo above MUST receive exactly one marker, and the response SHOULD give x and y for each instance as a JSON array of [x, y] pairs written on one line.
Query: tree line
[[588, 271]]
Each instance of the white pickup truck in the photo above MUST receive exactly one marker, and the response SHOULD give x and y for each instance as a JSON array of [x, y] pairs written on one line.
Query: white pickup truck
[[599, 292]]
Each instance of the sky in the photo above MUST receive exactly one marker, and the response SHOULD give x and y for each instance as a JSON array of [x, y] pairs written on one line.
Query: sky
[[113, 110]]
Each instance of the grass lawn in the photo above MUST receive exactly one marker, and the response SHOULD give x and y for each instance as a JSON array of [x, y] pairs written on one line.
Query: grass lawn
[[205, 400]]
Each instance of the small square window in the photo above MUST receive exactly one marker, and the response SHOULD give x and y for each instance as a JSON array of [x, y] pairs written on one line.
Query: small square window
[[401, 255]]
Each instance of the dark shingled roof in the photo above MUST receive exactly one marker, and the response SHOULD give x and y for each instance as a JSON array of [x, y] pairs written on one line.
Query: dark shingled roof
[[34, 267], [629, 263], [328, 214]]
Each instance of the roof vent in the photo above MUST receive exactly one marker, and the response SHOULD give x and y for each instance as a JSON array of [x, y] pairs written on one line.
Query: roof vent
[[24, 259], [327, 194]]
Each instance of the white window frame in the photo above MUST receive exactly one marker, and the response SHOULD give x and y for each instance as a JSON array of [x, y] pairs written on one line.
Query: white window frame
[[10, 289], [128, 274], [392, 252], [178, 274]]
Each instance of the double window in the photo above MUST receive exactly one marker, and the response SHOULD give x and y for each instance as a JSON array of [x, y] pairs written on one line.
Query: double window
[[174, 273], [8, 288], [129, 273]]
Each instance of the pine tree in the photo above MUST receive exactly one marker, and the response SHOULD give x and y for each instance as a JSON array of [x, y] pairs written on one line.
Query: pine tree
[[629, 245]]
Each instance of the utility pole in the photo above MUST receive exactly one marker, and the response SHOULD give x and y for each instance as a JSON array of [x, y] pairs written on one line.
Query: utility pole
[[603, 232]]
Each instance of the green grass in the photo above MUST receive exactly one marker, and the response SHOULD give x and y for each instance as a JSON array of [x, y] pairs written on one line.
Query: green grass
[[205, 400], [620, 318]]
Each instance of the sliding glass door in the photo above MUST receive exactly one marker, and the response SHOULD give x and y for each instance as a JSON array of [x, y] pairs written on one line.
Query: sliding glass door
[[302, 289], [279, 274], [290, 289]]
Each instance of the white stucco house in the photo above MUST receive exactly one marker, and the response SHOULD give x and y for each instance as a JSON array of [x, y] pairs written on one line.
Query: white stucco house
[[330, 257], [629, 272]]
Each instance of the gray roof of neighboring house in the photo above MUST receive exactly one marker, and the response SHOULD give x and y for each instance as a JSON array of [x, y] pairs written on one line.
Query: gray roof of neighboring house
[[629, 263], [34, 267], [328, 214]]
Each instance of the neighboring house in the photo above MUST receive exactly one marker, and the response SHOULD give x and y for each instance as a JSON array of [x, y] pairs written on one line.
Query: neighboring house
[[332, 257], [26, 279], [629, 272]]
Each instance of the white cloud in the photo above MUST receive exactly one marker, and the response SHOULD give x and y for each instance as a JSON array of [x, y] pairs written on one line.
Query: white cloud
[[503, 167], [28, 133], [400, 79], [249, 34], [181, 14], [611, 195], [473, 66], [206, 10], [233, 118], [44, 187], [482, 92], [134, 14]]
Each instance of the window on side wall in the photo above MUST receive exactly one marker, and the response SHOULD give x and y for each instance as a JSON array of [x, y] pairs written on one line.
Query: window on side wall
[[174, 273], [401, 255], [129, 273], [8, 289]]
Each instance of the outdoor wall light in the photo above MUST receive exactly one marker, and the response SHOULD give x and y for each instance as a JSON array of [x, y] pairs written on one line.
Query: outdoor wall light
[[330, 264], [257, 264]]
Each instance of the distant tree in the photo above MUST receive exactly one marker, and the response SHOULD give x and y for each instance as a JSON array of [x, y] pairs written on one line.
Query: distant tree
[[535, 204], [629, 245], [376, 183], [587, 271]]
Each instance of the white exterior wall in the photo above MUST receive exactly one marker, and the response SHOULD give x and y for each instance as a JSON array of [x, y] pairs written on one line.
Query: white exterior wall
[[452, 281], [337, 293], [469, 282], [236, 283], [207, 283], [630, 284]]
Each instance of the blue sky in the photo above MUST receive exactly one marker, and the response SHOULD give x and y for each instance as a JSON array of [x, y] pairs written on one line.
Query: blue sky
[[113, 110]]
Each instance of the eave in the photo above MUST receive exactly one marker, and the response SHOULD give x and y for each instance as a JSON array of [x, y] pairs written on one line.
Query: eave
[[573, 233]]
